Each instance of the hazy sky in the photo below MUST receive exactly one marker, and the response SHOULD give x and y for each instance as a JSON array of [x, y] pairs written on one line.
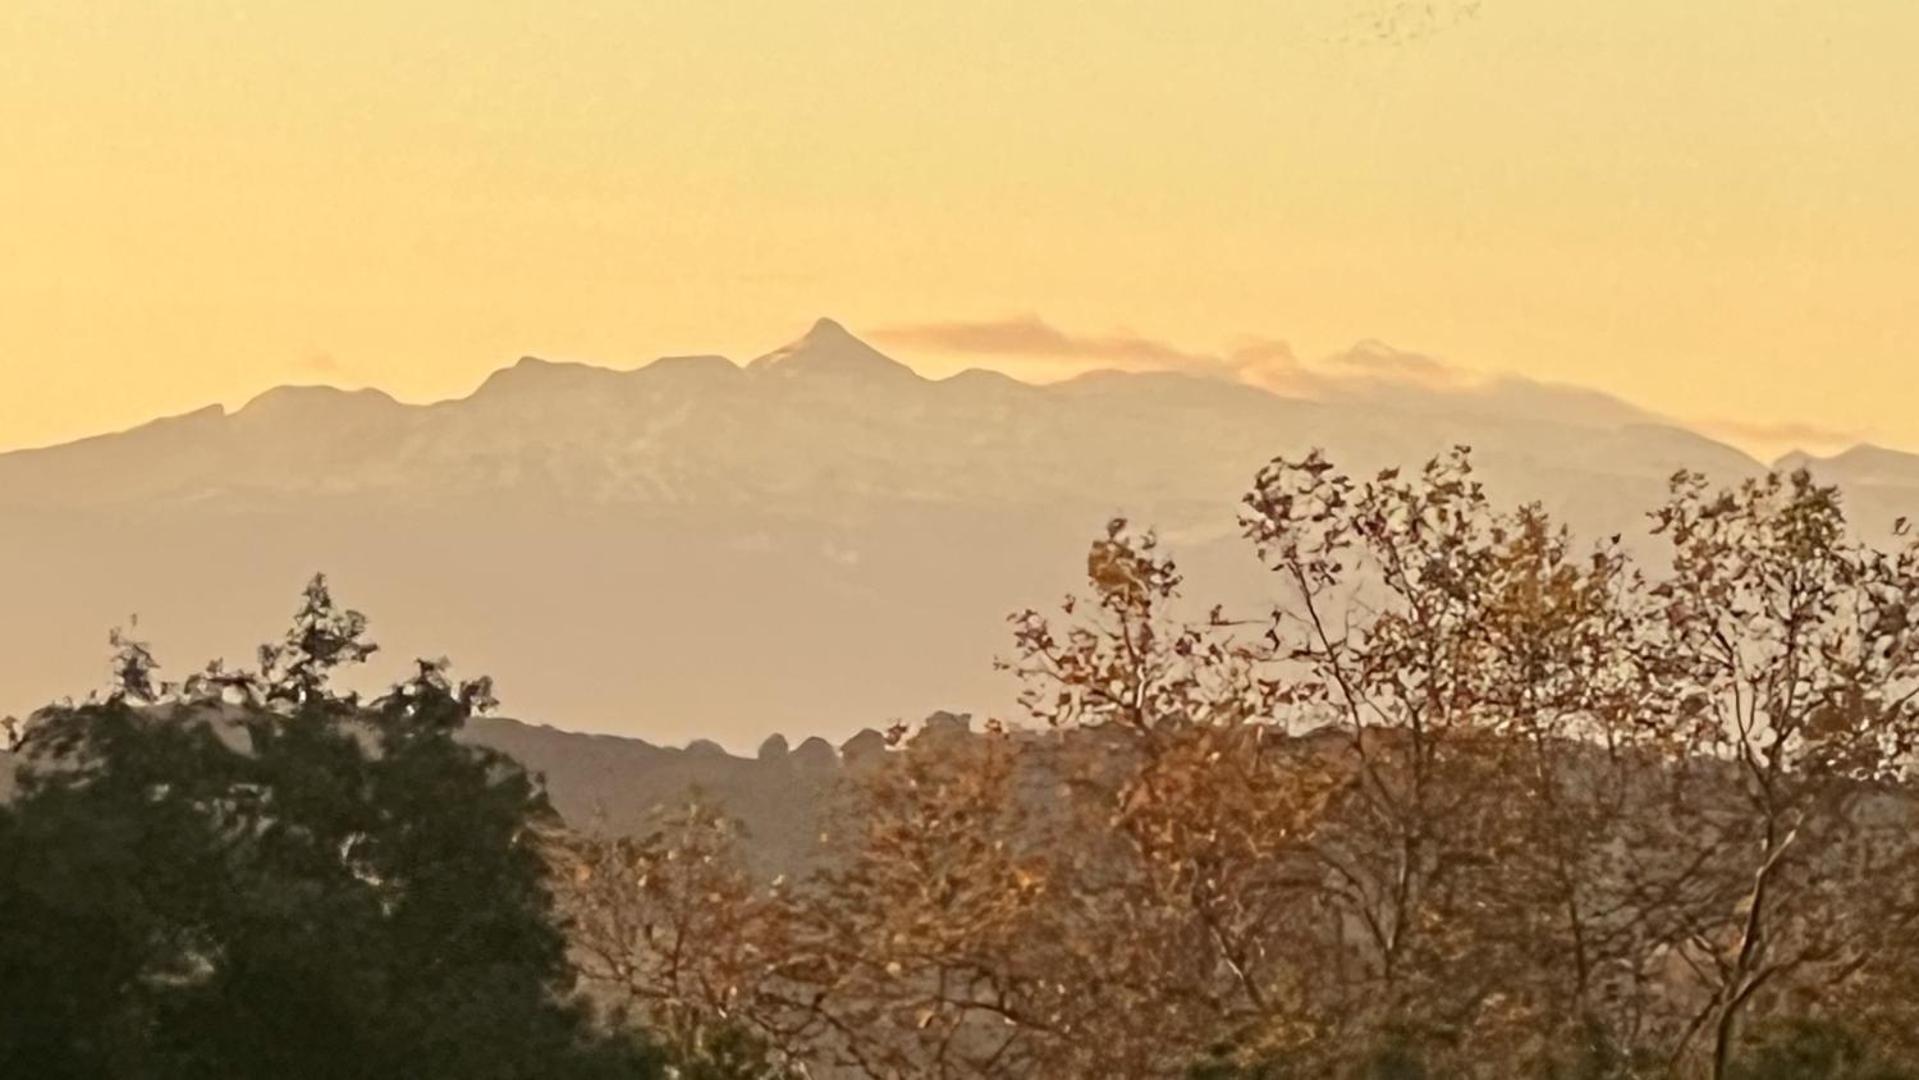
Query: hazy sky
[[1707, 206]]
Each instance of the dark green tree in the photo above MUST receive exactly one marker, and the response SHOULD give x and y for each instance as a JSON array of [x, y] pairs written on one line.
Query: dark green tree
[[251, 874]]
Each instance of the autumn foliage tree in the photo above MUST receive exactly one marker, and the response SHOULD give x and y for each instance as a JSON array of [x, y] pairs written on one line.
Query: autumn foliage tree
[[1471, 799]]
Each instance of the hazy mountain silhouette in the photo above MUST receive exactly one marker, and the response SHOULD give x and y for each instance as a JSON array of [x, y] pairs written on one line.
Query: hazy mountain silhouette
[[1864, 466], [815, 542]]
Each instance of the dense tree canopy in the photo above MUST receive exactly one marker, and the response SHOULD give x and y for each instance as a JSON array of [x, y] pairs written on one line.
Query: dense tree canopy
[[250, 874]]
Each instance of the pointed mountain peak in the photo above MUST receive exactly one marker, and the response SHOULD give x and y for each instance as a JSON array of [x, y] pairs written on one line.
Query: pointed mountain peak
[[830, 349], [825, 329]]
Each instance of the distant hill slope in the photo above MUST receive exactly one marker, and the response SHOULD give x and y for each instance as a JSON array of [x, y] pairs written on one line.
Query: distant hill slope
[[818, 541], [615, 784]]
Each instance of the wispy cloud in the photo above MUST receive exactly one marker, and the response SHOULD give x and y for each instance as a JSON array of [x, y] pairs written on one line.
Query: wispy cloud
[[1267, 362], [1783, 434], [1376, 359], [1370, 372], [1034, 338], [322, 363], [1029, 338]]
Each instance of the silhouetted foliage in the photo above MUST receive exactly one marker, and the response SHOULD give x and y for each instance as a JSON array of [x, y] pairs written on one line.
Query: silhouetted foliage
[[251, 875]]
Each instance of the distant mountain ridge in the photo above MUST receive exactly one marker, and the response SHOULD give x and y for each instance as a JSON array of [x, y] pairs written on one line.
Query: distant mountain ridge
[[1864, 464], [816, 541], [605, 434]]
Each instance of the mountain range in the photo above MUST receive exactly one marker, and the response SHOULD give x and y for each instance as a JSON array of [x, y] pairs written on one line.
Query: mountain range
[[814, 542]]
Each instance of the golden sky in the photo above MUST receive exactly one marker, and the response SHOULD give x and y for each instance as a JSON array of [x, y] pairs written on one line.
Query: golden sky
[[1707, 206]]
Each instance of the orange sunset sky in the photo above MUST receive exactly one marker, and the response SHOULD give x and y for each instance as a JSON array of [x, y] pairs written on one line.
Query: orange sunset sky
[[1706, 206]]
